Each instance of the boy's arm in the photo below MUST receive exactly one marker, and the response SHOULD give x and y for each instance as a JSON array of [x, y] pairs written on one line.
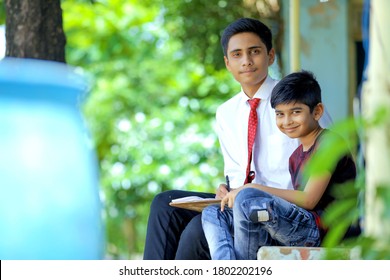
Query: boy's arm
[[307, 199], [232, 167]]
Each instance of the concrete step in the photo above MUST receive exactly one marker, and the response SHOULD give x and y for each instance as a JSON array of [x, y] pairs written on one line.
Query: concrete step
[[307, 253]]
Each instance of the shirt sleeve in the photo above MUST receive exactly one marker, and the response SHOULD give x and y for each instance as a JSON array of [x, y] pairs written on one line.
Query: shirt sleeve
[[231, 167]]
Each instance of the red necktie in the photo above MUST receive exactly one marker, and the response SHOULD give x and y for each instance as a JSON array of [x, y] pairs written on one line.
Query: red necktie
[[252, 127]]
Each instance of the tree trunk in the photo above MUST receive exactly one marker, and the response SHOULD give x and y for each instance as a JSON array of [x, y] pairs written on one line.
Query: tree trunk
[[376, 104], [34, 29]]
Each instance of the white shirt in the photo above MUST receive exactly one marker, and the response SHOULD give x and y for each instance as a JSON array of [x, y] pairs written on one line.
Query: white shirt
[[271, 149]]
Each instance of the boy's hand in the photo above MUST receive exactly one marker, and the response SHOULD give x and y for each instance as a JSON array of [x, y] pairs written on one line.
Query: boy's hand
[[221, 191], [229, 198]]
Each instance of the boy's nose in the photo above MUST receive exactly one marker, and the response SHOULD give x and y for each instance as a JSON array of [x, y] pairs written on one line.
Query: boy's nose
[[247, 60], [287, 120]]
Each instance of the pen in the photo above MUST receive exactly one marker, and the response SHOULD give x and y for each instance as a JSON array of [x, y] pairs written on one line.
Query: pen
[[227, 183]]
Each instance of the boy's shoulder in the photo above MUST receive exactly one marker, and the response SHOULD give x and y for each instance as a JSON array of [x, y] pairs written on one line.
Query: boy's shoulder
[[231, 103], [298, 153], [332, 144], [330, 136]]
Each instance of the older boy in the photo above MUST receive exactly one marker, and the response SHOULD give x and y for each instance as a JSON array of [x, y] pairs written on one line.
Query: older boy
[[175, 233], [260, 215]]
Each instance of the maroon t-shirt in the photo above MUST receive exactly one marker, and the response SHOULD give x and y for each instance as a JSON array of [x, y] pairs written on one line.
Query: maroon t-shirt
[[345, 170]]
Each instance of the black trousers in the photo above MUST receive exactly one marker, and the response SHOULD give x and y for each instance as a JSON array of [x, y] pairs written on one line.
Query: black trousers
[[175, 233]]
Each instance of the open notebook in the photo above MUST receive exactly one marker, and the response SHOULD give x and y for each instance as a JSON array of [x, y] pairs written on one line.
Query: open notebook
[[194, 203]]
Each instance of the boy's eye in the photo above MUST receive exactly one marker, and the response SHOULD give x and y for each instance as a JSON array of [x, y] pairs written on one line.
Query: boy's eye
[[255, 51], [236, 54]]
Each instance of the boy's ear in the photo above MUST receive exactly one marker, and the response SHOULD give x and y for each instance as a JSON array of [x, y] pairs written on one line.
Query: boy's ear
[[271, 55], [318, 111], [226, 62]]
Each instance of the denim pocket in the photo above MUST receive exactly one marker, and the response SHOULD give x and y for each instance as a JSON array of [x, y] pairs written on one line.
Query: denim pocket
[[295, 226]]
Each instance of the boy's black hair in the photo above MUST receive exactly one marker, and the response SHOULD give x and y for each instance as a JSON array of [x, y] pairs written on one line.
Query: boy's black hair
[[297, 87], [247, 25]]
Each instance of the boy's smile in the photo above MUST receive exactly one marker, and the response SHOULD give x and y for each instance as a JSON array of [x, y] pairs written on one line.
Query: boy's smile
[[296, 121]]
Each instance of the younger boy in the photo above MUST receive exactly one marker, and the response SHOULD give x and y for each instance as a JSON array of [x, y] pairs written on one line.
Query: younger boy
[[261, 215]]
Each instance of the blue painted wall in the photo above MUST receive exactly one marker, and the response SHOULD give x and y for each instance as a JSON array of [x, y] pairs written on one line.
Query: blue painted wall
[[324, 49]]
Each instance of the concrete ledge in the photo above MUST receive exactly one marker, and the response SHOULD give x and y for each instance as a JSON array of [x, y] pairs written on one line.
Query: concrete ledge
[[307, 253]]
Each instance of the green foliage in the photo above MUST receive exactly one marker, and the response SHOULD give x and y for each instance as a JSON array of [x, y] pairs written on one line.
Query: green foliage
[[349, 197], [2, 12], [198, 24], [347, 209], [341, 215], [332, 148], [383, 194], [370, 251], [349, 205], [374, 249]]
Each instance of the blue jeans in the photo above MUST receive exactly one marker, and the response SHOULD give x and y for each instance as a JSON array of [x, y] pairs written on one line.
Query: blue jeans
[[237, 234]]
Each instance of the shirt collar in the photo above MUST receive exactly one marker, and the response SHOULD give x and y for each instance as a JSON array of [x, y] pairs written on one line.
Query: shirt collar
[[264, 92]]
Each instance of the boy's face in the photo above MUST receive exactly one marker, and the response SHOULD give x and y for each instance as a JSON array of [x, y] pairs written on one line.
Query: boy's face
[[248, 60], [295, 120]]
